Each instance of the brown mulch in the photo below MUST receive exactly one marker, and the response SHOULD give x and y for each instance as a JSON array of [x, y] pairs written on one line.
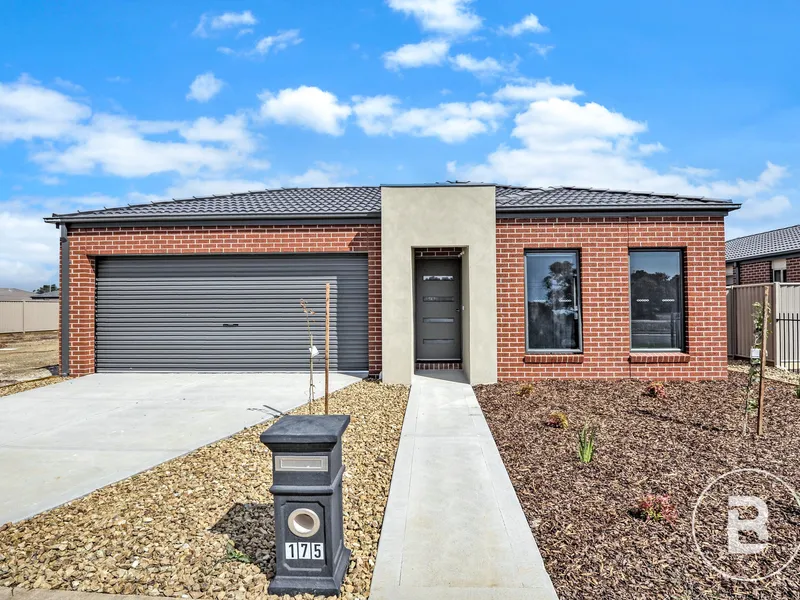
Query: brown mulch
[[201, 526], [583, 516]]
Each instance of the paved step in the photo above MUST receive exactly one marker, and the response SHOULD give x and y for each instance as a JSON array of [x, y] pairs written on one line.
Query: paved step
[[453, 526]]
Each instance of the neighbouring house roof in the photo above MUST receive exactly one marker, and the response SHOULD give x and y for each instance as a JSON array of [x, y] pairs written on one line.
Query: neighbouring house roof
[[47, 295], [365, 202], [766, 243], [7, 294]]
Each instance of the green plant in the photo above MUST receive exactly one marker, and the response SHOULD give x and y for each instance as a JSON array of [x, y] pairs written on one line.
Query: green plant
[[525, 390], [797, 392], [558, 420], [232, 554], [587, 443], [656, 390], [658, 508]]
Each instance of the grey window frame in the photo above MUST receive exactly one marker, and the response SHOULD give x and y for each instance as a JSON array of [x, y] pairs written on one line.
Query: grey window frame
[[578, 298], [681, 302]]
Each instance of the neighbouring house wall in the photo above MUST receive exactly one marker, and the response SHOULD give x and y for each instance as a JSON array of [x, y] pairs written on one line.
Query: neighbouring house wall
[[604, 244], [793, 269], [755, 272], [439, 217], [86, 244]]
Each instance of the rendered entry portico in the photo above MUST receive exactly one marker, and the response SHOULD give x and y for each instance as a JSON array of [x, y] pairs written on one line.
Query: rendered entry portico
[[434, 216]]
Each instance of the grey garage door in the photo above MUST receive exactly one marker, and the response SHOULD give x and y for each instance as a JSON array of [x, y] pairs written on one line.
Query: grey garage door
[[229, 313]]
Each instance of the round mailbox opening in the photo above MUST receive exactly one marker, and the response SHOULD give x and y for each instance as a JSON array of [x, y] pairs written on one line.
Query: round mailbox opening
[[303, 522]]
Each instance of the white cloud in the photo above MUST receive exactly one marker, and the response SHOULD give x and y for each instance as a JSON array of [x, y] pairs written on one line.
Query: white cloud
[[271, 43], [68, 85], [543, 49], [306, 106], [695, 172], [119, 146], [423, 54], [226, 20], [756, 209], [540, 90], [452, 17], [484, 67], [231, 131], [648, 149], [529, 23], [118, 79], [450, 122], [204, 87], [29, 111], [322, 174], [28, 245], [28, 250], [278, 42], [562, 142], [200, 188]]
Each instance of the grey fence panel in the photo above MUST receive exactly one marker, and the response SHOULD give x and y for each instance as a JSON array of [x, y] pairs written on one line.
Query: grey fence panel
[[22, 316], [229, 312], [740, 300]]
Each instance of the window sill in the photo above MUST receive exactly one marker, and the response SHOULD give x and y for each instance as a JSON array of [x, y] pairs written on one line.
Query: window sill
[[550, 359], [646, 358]]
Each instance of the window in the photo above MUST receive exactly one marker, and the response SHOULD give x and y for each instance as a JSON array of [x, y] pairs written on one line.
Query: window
[[779, 270], [730, 278], [552, 302], [779, 275], [656, 299]]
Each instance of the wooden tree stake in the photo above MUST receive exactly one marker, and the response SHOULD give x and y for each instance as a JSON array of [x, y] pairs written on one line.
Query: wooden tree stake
[[764, 329], [327, 340]]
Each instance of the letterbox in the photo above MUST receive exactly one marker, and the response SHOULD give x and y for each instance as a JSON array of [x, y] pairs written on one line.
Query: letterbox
[[307, 491]]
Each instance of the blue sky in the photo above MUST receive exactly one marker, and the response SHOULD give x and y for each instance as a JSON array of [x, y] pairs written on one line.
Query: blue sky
[[106, 103]]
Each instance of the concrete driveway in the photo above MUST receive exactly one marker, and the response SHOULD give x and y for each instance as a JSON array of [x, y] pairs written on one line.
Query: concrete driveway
[[60, 442]]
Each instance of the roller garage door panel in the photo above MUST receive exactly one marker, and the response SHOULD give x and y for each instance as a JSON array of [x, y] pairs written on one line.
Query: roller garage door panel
[[229, 313]]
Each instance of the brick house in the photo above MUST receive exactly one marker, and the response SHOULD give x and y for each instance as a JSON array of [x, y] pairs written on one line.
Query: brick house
[[504, 282], [764, 257]]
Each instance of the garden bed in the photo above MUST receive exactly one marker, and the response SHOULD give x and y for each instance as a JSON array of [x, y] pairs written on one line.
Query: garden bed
[[201, 526], [584, 515]]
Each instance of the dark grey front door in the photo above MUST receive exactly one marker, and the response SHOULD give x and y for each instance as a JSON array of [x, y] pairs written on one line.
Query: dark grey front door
[[438, 309]]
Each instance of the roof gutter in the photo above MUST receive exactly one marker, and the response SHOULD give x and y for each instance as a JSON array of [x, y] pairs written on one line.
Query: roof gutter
[[105, 219], [617, 211]]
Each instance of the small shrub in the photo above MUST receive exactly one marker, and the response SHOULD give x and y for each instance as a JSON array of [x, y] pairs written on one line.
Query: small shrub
[[797, 392], [587, 441], [558, 420], [656, 390], [658, 508], [525, 390]]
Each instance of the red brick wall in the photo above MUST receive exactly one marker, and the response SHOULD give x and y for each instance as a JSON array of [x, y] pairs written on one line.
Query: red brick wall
[[793, 269], [755, 272], [604, 244], [86, 244]]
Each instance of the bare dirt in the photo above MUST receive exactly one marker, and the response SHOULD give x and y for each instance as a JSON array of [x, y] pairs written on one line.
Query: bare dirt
[[27, 356]]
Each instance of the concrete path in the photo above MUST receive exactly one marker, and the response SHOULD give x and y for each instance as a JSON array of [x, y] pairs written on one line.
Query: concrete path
[[60, 442], [453, 527]]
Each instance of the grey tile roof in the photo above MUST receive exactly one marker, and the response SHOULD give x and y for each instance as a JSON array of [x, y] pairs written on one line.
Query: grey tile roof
[[767, 243], [511, 198], [365, 201]]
